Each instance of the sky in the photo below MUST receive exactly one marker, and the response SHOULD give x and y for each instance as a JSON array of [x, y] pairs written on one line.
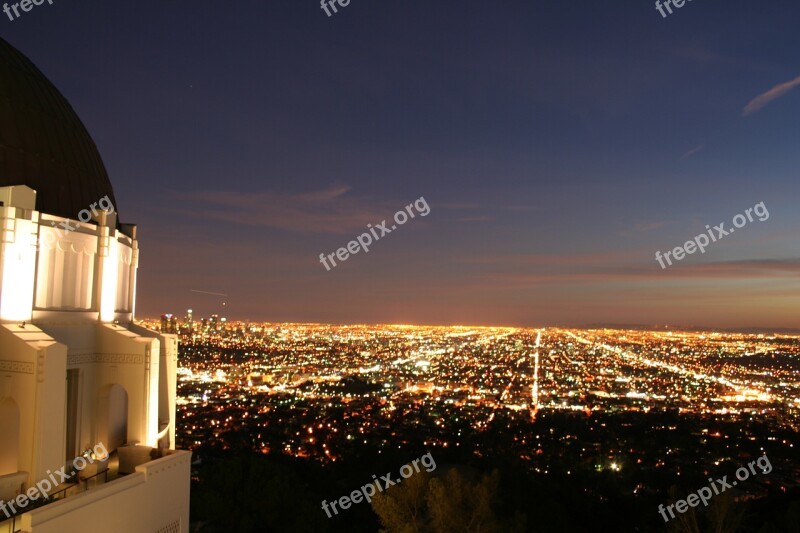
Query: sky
[[559, 145]]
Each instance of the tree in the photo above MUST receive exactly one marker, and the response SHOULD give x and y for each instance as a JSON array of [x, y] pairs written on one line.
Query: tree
[[403, 508], [724, 515], [446, 504], [457, 505]]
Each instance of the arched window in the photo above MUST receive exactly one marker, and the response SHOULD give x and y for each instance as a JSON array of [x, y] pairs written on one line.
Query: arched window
[[113, 426]]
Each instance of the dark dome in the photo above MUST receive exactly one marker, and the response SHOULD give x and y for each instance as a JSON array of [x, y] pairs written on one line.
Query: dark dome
[[43, 143]]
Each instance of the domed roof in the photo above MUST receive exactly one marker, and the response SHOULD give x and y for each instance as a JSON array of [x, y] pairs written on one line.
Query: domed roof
[[43, 143]]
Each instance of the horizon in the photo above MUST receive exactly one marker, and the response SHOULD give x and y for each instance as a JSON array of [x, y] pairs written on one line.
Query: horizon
[[791, 332]]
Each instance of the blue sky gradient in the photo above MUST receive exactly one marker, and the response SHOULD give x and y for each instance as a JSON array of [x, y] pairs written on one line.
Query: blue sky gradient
[[558, 144]]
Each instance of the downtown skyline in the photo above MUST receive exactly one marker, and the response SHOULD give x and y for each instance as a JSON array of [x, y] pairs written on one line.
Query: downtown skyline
[[558, 148]]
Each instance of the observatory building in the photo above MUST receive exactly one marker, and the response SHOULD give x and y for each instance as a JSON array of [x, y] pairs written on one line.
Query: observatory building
[[77, 377]]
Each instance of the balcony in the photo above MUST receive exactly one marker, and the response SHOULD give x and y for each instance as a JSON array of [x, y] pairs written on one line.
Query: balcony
[[100, 471], [109, 500]]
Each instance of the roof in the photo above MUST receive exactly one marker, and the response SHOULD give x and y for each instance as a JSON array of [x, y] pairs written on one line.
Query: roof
[[43, 143]]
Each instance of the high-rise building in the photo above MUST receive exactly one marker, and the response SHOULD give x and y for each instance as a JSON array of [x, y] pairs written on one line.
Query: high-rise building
[[169, 324], [77, 376], [188, 326]]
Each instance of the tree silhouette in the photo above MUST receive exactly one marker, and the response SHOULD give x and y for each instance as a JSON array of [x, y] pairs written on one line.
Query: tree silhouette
[[403, 508], [445, 504], [724, 515]]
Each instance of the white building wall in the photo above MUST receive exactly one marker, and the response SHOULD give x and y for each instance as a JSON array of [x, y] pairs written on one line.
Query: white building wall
[[61, 294], [153, 500], [34, 366], [65, 269], [17, 263]]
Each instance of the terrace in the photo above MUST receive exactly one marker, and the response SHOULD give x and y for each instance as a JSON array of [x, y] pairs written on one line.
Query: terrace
[[126, 479]]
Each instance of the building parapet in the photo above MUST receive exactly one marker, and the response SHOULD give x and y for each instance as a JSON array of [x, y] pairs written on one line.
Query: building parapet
[[136, 502]]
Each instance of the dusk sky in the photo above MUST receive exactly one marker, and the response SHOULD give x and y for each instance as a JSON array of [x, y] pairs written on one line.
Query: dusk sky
[[558, 144]]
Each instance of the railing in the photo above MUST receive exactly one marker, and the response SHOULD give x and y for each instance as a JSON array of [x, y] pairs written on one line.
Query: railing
[[12, 524], [84, 481], [104, 473]]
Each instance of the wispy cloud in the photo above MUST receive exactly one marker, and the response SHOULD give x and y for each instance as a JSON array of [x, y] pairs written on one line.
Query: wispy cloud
[[330, 210], [459, 206], [617, 267], [523, 207], [643, 227], [693, 151], [763, 99], [475, 219], [526, 261]]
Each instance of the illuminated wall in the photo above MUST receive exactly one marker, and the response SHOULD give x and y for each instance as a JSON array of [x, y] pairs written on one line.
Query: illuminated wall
[[17, 264], [66, 309]]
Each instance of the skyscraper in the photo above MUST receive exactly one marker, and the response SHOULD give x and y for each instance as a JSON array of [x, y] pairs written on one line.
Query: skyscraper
[[76, 371], [169, 324]]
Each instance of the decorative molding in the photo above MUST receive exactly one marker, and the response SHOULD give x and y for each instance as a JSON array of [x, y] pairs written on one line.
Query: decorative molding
[[174, 527], [20, 367], [115, 358], [169, 465]]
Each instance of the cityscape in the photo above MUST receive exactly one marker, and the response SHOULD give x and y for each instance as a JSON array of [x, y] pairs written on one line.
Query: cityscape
[[655, 407]]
